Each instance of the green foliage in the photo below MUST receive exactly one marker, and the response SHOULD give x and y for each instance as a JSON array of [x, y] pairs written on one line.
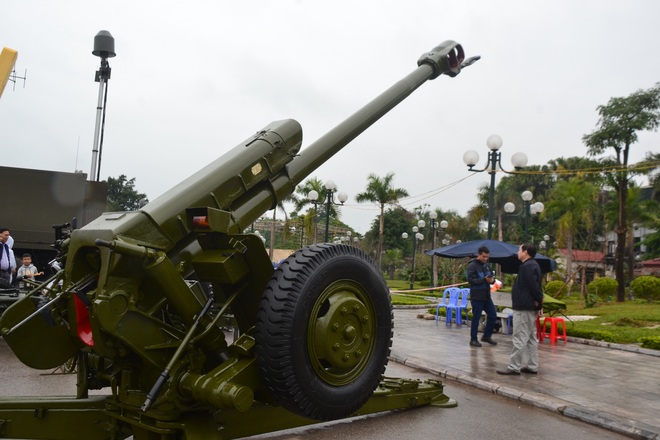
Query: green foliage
[[651, 342], [381, 192], [603, 288], [391, 259], [620, 121], [646, 287], [587, 333], [122, 195], [407, 300], [556, 289]]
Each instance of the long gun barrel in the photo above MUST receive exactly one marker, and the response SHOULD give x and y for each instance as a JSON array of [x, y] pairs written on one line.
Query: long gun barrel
[[253, 177]]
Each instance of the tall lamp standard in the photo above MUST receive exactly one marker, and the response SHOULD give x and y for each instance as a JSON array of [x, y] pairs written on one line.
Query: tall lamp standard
[[434, 277], [471, 157], [434, 227], [529, 209], [330, 188], [418, 236]]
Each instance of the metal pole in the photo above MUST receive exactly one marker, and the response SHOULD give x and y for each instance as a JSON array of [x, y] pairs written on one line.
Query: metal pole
[[527, 215], [97, 130], [492, 156], [412, 274], [327, 215], [434, 279]]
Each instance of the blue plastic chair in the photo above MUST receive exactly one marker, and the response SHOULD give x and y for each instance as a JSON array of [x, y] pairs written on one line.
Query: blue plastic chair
[[441, 303], [450, 305], [463, 306]]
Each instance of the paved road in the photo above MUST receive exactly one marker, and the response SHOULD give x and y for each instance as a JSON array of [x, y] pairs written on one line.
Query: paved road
[[480, 414]]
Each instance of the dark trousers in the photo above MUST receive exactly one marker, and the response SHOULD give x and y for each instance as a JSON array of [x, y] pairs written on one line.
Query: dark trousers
[[491, 316], [5, 277]]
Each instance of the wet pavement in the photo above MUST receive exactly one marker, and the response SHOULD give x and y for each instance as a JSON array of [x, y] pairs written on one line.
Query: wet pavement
[[613, 386]]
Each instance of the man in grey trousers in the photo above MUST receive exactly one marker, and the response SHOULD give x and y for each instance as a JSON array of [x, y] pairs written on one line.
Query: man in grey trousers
[[527, 302]]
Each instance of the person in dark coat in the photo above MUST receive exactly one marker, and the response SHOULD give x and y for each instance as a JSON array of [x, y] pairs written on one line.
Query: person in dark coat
[[527, 302], [480, 276]]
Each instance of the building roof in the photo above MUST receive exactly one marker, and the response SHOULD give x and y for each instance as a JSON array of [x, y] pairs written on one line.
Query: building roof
[[652, 263], [584, 256]]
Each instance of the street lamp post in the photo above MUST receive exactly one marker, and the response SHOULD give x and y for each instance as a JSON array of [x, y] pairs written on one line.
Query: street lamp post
[[471, 157], [418, 236], [434, 277], [434, 226], [330, 188], [529, 209]]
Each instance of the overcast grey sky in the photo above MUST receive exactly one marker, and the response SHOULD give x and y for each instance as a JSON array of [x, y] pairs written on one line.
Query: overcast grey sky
[[193, 79]]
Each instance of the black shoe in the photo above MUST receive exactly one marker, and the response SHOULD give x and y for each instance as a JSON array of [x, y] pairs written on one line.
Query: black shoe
[[488, 341], [509, 372], [528, 371], [475, 343]]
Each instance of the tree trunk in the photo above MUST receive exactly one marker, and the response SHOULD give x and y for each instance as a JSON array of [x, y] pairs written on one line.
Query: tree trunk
[[271, 251], [622, 229], [381, 228], [631, 257]]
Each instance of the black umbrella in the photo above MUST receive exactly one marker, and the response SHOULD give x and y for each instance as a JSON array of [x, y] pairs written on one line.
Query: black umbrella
[[504, 254]]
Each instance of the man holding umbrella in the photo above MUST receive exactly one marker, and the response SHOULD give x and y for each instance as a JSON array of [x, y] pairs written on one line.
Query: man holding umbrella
[[481, 276], [527, 301]]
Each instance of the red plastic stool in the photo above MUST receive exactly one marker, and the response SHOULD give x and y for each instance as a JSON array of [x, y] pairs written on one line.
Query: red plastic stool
[[539, 330], [554, 331]]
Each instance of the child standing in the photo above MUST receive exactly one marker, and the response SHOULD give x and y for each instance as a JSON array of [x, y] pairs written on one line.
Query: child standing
[[27, 270]]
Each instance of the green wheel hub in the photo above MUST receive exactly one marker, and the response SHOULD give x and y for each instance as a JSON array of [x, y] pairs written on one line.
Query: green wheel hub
[[341, 333]]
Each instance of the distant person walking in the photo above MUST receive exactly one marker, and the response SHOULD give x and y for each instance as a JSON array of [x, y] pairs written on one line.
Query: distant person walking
[[527, 302], [480, 276]]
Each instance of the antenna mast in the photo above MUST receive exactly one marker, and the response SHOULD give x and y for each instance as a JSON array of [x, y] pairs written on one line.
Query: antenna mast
[[104, 47]]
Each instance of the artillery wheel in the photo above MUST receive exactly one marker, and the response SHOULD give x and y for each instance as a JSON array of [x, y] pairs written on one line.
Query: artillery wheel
[[324, 331]]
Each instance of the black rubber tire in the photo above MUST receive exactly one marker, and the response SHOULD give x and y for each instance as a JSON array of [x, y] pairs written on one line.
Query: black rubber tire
[[314, 332]]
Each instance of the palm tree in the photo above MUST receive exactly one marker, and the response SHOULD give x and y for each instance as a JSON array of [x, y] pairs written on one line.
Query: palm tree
[[380, 191], [573, 203], [311, 219]]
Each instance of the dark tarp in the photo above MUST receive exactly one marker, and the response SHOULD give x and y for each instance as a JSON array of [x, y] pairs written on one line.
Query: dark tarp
[[504, 254]]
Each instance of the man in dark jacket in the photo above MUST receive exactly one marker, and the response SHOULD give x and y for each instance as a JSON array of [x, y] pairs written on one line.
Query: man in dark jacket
[[527, 301], [481, 276]]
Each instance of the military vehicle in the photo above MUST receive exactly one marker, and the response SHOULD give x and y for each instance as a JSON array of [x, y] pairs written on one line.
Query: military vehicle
[[143, 296]]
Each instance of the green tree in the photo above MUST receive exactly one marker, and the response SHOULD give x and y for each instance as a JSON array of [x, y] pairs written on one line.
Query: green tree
[[122, 195], [285, 226], [572, 204], [395, 221], [380, 191], [315, 211], [392, 258], [638, 212], [620, 121]]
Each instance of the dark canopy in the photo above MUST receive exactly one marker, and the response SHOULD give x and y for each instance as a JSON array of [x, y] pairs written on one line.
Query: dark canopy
[[504, 254]]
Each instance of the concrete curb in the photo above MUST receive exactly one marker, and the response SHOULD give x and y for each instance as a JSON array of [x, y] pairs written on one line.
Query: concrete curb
[[630, 428], [613, 346]]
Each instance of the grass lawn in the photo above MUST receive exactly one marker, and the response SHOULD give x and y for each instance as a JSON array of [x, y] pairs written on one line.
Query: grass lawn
[[626, 323]]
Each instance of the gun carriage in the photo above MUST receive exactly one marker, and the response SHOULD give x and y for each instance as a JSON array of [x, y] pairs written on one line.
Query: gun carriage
[[143, 296]]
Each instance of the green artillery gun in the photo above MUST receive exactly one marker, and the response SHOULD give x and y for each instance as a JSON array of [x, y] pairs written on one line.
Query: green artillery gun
[[143, 296]]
